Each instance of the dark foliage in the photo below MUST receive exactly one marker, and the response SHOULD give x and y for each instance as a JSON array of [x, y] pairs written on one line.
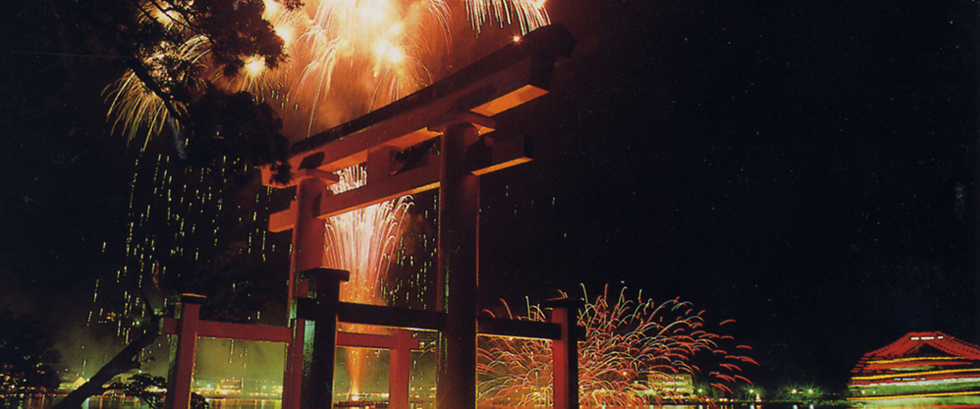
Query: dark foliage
[[147, 388], [236, 29], [151, 390], [133, 34], [236, 284], [235, 126]]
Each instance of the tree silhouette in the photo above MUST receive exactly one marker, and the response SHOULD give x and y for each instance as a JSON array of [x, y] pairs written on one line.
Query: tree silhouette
[[151, 390], [163, 44]]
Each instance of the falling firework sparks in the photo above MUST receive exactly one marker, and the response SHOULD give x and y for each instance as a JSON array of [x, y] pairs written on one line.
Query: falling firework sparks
[[530, 14], [625, 343], [363, 242], [369, 51], [366, 53], [133, 105]]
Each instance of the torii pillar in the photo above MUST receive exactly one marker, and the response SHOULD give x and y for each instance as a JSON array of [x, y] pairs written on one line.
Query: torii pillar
[[183, 351], [307, 254], [458, 277], [564, 351]]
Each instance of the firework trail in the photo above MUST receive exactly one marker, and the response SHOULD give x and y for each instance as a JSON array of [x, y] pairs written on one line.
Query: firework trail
[[530, 14], [133, 106], [345, 57], [363, 242], [368, 52], [625, 343]]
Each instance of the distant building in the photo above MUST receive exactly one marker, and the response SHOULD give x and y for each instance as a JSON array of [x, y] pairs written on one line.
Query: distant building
[[920, 366], [671, 384]]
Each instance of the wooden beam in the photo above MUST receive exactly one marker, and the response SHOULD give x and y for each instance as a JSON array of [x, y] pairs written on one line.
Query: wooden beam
[[354, 339], [504, 151], [228, 330], [499, 152], [373, 315], [428, 320], [518, 73], [384, 188], [391, 317], [564, 352], [283, 220], [518, 329], [183, 351], [245, 332]]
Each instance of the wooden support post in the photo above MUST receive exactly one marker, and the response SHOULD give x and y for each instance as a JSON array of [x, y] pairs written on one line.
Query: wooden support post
[[459, 201], [183, 352], [320, 348], [564, 312], [379, 165], [307, 254], [400, 368]]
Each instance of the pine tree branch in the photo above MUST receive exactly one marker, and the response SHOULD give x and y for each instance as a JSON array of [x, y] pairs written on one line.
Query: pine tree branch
[[124, 361]]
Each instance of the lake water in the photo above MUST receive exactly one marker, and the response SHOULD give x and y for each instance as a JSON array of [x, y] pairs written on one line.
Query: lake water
[[108, 402]]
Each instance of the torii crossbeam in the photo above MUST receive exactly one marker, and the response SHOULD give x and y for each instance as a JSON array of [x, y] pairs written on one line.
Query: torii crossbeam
[[461, 109]]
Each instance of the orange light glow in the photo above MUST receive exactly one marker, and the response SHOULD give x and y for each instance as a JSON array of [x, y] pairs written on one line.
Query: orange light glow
[[345, 57], [254, 66]]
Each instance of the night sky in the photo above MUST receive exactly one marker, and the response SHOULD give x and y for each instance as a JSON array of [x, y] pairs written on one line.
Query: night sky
[[808, 169]]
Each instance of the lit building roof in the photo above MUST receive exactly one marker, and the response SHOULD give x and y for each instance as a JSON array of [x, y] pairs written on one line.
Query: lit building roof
[[918, 365]]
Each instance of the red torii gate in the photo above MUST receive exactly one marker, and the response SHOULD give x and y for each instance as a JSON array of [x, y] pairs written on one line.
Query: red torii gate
[[188, 327], [457, 109]]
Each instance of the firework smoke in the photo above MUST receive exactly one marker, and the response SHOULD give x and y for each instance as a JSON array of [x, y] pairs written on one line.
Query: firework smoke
[[625, 342]]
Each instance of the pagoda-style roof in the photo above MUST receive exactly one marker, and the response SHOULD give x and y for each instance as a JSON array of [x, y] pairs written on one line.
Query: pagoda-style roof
[[920, 364], [923, 345]]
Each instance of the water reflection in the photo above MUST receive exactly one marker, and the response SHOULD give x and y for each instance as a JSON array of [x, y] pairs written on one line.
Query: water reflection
[[245, 404], [115, 402], [48, 401]]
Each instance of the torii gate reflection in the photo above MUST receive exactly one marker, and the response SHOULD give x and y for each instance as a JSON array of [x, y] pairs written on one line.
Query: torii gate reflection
[[459, 110]]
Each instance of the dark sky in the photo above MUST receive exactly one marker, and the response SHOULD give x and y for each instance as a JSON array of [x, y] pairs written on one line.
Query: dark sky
[[805, 168], [792, 165]]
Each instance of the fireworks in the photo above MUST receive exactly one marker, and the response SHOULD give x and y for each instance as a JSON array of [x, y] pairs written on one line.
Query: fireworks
[[363, 242], [530, 14], [135, 106], [625, 344], [345, 57], [368, 52]]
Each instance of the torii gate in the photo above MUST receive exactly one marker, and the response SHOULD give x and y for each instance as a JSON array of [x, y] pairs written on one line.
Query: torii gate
[[459, 109]]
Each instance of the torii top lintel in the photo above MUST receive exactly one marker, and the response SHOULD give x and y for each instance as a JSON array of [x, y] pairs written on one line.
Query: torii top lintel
[[511, 76], [507, 78]]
